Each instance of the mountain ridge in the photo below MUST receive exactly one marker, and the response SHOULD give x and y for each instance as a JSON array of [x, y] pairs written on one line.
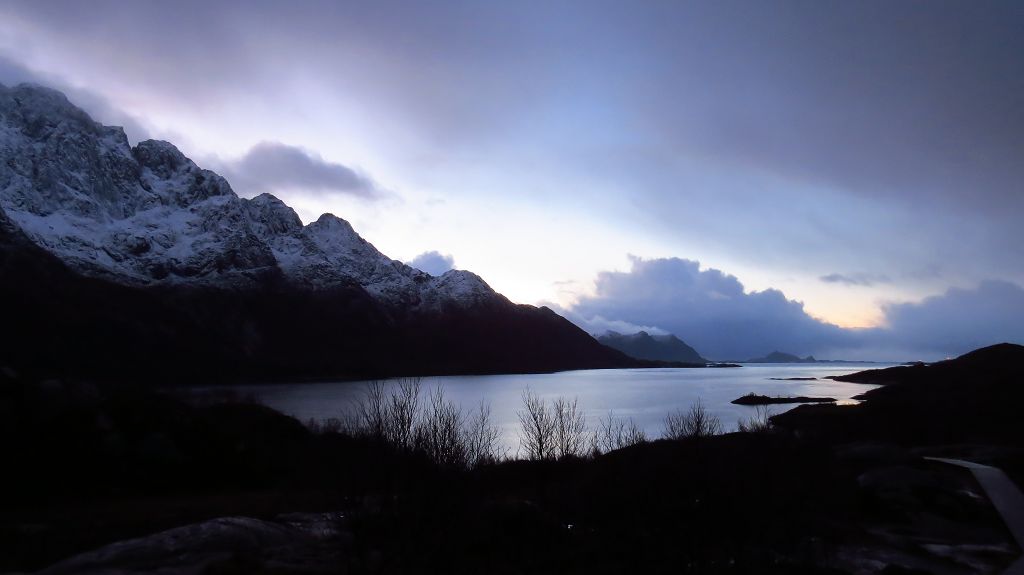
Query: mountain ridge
[[133, 260], [147, 214], [642, 345], [781, 357]]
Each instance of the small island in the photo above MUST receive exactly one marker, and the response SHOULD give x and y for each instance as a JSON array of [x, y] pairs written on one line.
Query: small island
[[754, 399]]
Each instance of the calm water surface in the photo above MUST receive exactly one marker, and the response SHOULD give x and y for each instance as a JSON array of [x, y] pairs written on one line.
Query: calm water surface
[[645, 395]]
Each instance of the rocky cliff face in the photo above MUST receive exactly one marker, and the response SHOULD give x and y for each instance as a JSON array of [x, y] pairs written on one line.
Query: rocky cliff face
[[116, 259], [148, 215]]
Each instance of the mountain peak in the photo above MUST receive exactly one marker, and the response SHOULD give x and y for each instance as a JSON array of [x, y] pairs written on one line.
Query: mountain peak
[[244, 287], [782, 357], [275, 215], [643, 345], [164, 158], [330, 221], [44, 102], [149, 215]]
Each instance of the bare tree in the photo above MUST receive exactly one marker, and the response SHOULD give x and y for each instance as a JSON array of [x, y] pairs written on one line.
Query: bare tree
[[481, 438], [402, 412], [614, 433], [372, 412], [570, 425], [538, 427], [697, 422], [331, 425], [439, 432], [761, 422], [437, 427]]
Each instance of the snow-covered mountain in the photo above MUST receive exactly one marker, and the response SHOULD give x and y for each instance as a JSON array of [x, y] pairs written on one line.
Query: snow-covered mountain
[[148, 215], [133, 261]]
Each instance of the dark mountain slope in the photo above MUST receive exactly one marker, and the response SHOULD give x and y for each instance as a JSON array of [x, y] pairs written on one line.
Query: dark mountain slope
[[59, 322], [976, 397], [135, 263], [781, 357], [642, 345]]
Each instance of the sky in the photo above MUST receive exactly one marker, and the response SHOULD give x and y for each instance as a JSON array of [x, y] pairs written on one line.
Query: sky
[[816, 177]]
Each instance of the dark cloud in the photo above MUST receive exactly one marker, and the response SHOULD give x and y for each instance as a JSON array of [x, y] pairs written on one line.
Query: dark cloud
[[858, 279], [909, 100], [712, 312], [708, 309], [955, 322], [272, 167], [913, 100], [433, 262], [450, 68]]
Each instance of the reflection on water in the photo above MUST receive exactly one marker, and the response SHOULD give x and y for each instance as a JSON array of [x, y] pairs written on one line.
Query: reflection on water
[[646, 395]]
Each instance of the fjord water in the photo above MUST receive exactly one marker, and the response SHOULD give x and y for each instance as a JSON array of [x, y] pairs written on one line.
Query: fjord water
[[646, 395]]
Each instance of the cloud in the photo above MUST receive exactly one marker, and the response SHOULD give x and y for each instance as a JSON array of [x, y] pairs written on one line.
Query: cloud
[[433, 262], [712, 312], [267, 167], [956, 321], [273, 167], [800, 137], [708, 309], [858, 279], [597, 325]]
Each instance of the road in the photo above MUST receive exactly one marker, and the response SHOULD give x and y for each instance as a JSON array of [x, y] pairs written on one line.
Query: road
[[1005, 496]]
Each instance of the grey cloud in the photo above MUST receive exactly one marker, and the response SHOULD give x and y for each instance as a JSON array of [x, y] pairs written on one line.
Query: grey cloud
[[908, 99], [708, 309], [433, 262], [918, 101], [597, 325], [838, 131], [858, 279], [273, 167], [903, 100], [266, 167], [12, 73], [956, 321], [712, 312], [405, 55]]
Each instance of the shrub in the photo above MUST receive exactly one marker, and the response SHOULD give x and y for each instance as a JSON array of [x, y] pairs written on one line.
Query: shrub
[[761, 422], [697, 422], [538, 427], [437, 428], [439, 433], [570, 428], [552, 432], [613, 433], [482, 438]]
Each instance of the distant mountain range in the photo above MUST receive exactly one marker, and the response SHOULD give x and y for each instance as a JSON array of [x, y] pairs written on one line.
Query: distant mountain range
[[643, 345], [135, 262], [781, 357]]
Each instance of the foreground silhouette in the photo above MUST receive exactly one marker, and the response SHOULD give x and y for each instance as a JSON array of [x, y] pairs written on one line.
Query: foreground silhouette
[[95, 464]]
